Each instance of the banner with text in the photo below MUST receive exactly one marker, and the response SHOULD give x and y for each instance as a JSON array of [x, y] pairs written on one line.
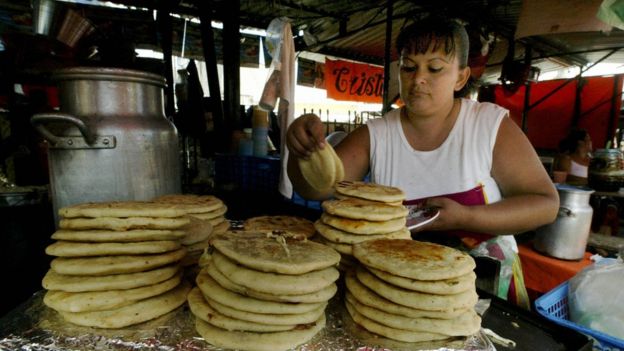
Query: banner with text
[[350, 81]]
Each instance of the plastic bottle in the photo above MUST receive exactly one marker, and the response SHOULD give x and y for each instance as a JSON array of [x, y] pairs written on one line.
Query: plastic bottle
[[245, 144], [260, 124]]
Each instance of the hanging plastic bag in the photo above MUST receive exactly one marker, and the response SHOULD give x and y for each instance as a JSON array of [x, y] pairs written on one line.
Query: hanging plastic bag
[[612, 12], [273, 43], [595, 297]]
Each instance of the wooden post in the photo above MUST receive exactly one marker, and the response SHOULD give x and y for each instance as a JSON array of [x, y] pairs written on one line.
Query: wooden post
[[231, 63], [210, 56], [165, 28], [386, 83]]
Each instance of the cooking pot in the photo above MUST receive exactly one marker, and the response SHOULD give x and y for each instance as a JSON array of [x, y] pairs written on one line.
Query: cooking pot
[[566, 237], [111, 140]]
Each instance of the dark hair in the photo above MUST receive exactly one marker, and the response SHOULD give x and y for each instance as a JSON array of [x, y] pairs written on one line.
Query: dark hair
[[435, 32], [439, 32], [570, 142]]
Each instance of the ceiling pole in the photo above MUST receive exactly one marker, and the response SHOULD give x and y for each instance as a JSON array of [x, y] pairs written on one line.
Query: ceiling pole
[[231, 64], [615, 96], [388, 47], [577, 100], [527, 91], [210, 56], [165, 27]]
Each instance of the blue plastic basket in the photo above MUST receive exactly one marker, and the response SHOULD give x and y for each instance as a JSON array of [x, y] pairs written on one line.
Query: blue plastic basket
[[554, 306]]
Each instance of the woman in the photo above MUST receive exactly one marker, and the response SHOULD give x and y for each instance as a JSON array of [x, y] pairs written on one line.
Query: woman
[[464, 157], [574, 156]]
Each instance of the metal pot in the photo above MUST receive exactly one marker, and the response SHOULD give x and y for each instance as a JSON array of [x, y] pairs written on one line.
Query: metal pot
[[111, 140], [566, 237]]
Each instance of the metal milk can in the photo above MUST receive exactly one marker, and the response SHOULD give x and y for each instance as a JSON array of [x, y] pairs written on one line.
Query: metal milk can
[[566, 237], [111, 140]]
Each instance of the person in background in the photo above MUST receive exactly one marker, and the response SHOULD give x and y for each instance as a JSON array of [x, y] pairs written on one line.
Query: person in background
[[574, 157], [466, 158]]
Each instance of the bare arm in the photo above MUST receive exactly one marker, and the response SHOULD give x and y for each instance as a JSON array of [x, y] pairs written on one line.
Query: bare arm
[[529, 199]]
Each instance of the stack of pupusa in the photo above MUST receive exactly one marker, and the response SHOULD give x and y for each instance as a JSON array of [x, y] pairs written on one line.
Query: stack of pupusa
[[117, 263], [203, 225], [263, 292], [412, 291], [361, 212]]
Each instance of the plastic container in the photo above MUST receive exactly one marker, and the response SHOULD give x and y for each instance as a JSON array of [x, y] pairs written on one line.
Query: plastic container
[[247, 173], [245, 144], [605, 170], [260, 124], [554, 306]]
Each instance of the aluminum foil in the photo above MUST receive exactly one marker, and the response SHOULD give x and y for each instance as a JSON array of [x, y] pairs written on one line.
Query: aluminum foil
[[34, 327]]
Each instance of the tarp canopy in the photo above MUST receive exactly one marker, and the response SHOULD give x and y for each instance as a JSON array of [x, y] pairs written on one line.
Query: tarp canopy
[[550, 121]]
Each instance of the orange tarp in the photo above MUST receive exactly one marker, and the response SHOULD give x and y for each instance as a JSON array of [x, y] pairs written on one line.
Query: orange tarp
[[543, 273]]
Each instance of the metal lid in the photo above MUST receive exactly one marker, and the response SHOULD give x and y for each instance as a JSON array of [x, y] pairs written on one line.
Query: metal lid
[[574, 189], [110, 74]]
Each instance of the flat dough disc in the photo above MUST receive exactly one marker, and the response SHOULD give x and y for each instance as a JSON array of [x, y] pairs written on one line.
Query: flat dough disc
[[414, 259], [275, 283], [319, 170], [106, 265], [250, 341], [317, 296], [117, 236], [105, 300], [201, 309], [360, 226], [73, 283], [368, 297], [210, 288], [138, 312], [392, 333], [416, 299], [78, 249], [463, 325], [438, 287], [364, 209], [283, 255], [370, 191], [341, 237]]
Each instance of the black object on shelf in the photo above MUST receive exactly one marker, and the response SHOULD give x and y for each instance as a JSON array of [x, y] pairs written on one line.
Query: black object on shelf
[[528, 329]]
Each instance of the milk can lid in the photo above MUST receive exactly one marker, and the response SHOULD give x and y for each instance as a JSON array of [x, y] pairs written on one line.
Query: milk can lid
[[573, 189]]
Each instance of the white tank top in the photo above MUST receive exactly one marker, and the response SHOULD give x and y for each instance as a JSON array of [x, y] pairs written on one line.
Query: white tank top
[[577, 169], [461, 163]]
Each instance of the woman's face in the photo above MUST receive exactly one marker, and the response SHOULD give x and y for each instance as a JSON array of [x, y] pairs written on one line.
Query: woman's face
[[585, 145], [427, 81]]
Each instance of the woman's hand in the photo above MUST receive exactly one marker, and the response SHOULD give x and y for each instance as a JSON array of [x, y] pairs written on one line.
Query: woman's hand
[[452, 214], [305, 135]]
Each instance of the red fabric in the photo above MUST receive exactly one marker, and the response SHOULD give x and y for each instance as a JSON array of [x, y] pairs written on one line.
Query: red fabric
[[351, 81], [543, 273], [51, 93], [550, 121]]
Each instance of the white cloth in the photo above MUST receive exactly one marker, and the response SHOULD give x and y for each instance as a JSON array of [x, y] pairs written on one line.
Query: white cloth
[[286, 107], [578, 170], [461, 163]]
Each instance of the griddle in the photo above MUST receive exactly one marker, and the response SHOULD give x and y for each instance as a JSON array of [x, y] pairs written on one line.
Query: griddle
[[529, 330]]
